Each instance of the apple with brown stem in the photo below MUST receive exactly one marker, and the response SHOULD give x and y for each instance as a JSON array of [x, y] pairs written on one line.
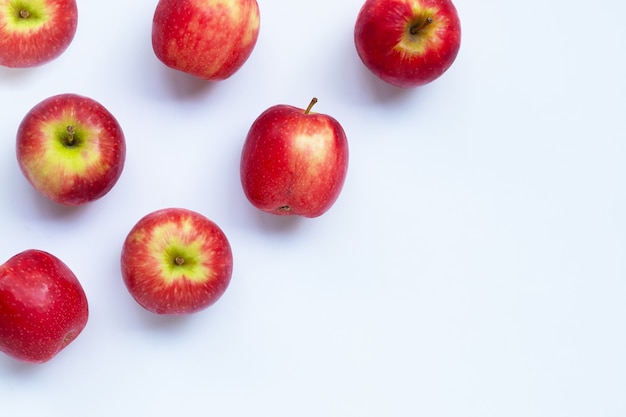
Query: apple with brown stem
[[408, 43], [294, 161], [34, 32], [71, 149], [176, 261]]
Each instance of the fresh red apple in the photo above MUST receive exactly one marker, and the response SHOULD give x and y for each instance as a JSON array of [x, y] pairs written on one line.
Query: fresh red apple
[[176, 261], [34, 32], [43, 307], [408, 43], [71, 149], [294, 162], [210, 39]]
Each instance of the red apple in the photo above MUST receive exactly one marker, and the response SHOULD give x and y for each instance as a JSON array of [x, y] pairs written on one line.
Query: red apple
[[294, 162], [71, 149], [176, 261], [408, 43], [210, 39], [43, 307], [34, 32]]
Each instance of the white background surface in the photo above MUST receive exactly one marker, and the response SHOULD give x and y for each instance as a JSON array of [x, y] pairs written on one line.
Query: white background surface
[[473, 265]]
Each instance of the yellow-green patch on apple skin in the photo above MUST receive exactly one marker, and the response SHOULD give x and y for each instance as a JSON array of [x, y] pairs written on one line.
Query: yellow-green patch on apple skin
[[176, 261], [35, 32], [71, 173]]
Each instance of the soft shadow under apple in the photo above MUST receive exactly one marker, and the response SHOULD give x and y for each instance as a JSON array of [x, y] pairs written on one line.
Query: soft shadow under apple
[[277, 224], [17, 75], [50, 210], [162, 323], [184, 86], [17, 369]]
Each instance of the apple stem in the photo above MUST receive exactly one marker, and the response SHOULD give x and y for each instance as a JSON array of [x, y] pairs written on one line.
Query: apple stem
[[179, 260], [311, 104], [24, 14], [71, 130], [417, 27]]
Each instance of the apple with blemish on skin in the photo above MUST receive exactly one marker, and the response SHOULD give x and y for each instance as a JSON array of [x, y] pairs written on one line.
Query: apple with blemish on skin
[[71, 149], [43, 307], [408, 43], [35, 32], [294, 161], [210, 39], [176, 261]]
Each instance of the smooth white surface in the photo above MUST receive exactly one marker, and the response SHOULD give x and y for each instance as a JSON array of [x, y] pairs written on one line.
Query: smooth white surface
[[473, 266]]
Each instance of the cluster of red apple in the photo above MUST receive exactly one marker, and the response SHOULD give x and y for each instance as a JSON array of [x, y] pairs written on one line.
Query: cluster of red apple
[[176, 261]]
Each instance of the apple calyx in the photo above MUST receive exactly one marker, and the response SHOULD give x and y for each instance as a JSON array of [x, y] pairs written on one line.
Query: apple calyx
[[416, 27], [70, 336], [24, 14], [179, 260]]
